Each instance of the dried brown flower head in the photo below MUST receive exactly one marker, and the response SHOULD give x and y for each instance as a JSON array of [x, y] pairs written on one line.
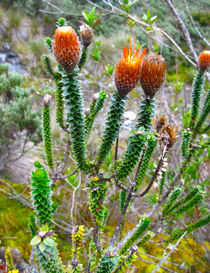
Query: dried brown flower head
[[66, 47], [204, 60], [127, 70], [160, 123], [152, 74], [168, 135], [86, 34]]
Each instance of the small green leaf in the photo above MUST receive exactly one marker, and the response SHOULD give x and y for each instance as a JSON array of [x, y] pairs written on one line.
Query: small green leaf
[[35, 241], [49, 242]]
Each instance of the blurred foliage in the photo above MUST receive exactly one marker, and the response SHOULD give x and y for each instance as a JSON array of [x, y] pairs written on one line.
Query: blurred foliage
[[19, 121]]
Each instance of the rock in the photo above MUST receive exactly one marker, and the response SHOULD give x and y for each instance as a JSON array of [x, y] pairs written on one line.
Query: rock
[[130, 115], [11, 59]]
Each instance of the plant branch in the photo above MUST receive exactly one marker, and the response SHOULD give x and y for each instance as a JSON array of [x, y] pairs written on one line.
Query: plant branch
[[164, 258]]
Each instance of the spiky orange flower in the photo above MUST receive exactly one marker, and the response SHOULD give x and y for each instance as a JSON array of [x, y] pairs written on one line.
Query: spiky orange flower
[[66, 47], [127, 70], [204, 60], [152, 73]]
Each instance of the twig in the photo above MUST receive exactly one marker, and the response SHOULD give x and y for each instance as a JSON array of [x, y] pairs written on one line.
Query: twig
[[133, 249], [198, 31], [164, 258], [183, 166], [139, 165], [183, 27], [163, 267], [157, 170], [120, 12], [95, 234], [153, 257], [73, 199], [116, 153], [120, 220]]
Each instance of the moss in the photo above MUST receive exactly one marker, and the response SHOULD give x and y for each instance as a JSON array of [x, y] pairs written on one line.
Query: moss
[[13, 224]]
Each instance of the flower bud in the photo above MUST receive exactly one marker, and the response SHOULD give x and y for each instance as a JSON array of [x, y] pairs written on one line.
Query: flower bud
[[66, 47], [86, 34], [95, 97], [87, 112], [204, 60], [152, 73], [127, 70], [46, 100]]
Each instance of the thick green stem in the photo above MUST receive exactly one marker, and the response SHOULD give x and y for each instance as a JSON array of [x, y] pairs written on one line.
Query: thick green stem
[[83, 57], [187, 134], [204, 113], [140, 229], [196, 96], [59, 105], [146, 113], [137, 141], [97, 195], [95, 108], [75, 116], [151, 144], [112, 127], [135, 146], [41, 195], [47, 135]]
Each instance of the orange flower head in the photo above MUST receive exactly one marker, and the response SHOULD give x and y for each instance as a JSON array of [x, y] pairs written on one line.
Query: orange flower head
[[66, 47], [204, 60], [152, 73], [127, 70]]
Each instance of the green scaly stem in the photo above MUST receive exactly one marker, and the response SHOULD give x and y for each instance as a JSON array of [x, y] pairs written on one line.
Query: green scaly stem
[[184, 200], [187, 134], [135, 146], [198, 84], [41, 195], [140, 229], [145, 239], [95, 108], [83, 58], [97, 195], [162, 182], [194, 201], [137, 142], [112, 126], [47, 135], [75, 116], [146, 113], [107, 264], [59, 104], [172, 198], [32, 225], [204, 113], [151, 144], [190, 228]]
